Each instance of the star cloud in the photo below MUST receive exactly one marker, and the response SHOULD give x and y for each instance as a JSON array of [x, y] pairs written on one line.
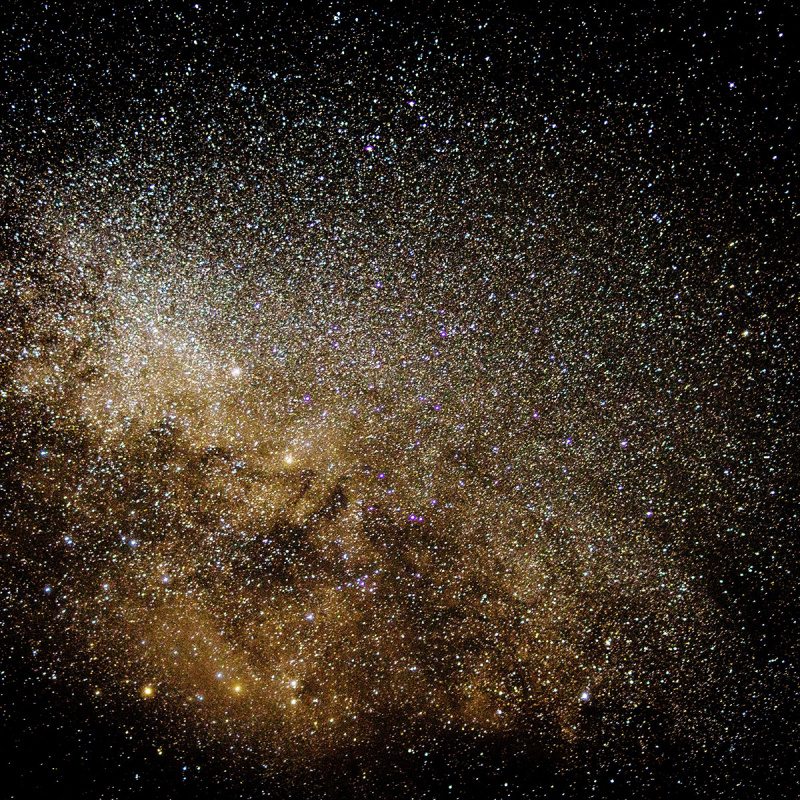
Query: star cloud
[[378, 436]]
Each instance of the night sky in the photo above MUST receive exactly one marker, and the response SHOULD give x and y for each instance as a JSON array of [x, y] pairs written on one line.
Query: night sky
[[399, 403]]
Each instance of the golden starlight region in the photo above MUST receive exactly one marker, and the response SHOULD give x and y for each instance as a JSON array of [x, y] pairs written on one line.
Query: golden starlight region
[[387, 430]]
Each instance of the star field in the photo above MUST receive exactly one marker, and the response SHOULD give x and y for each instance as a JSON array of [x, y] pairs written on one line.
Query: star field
[[399, 403]]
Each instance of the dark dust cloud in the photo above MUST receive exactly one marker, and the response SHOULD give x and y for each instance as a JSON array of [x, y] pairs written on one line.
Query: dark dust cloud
[[398, 403]]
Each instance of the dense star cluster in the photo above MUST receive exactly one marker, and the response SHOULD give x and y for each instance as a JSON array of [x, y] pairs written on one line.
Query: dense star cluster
[[398, 403]]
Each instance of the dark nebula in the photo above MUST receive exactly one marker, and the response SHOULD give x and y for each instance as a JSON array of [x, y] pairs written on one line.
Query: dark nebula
[[399, 402]]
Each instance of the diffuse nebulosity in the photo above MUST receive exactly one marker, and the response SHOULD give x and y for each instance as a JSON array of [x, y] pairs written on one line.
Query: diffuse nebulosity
[[380, 416]]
